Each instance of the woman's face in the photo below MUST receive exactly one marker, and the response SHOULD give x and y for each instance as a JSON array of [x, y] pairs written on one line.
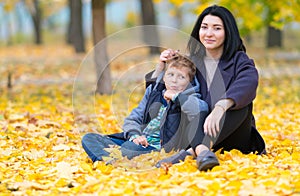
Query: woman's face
[[212, 33]]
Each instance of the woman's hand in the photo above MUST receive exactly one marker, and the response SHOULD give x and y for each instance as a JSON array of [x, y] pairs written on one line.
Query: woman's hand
[[167, 54], [164, 56], [212, 121], [141, 140]]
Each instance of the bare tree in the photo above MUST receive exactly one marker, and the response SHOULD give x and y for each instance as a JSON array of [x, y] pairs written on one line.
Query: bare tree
[[274, 37], [75, 31], [36, 15], [150, 36], [104, 83]]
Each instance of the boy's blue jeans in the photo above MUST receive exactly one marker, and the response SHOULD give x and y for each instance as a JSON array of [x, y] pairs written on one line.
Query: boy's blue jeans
[[94, 145]]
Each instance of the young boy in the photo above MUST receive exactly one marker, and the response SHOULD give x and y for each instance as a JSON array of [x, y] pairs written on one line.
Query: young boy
[[167, 116]]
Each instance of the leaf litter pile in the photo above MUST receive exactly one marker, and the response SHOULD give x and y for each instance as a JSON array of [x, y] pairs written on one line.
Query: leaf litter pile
[[41, 151]]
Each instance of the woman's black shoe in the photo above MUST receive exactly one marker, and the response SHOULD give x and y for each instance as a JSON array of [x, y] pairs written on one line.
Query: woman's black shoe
[[207, 160]]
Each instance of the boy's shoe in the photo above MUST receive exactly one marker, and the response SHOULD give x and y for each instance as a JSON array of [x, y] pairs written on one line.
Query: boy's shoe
[[207, 160], [176, 158]]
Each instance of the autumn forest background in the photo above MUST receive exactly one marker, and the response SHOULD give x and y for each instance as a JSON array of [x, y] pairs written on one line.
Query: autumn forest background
[[50, 96]]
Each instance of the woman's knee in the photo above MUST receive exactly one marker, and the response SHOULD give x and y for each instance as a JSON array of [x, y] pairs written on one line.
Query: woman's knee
[[236, 128], [238, 115]]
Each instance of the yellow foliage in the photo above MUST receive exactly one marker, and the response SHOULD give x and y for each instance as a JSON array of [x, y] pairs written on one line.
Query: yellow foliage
[[8, 7], [177, 3], [41, 152]]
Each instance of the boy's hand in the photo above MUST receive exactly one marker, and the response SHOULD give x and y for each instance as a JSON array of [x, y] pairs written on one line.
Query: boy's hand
[[141, 140], [169, 95]]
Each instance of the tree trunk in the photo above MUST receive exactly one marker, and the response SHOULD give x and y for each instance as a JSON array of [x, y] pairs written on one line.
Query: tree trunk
[[179, 17], [274, 37], [69, 30], [104, 83], [9, 29], [36, 15], [76, 36], [150, 36]]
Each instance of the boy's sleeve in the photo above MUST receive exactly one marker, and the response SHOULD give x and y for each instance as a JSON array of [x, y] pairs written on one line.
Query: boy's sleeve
[[133, 122]]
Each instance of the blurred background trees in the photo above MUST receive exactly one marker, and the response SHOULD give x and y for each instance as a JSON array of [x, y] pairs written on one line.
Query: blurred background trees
[[86, 22], [74, 17]]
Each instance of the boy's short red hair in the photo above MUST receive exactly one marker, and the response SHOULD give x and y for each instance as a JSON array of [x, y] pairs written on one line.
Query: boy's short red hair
[[182, 61]]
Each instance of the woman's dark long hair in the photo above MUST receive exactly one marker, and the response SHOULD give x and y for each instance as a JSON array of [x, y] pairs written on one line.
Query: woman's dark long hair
[[233, 41]]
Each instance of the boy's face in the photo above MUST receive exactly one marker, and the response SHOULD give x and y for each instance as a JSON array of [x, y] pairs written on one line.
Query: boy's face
[[176, 79]]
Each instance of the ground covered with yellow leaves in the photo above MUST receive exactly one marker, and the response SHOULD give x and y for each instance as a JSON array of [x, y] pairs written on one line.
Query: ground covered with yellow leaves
[[40, 139]]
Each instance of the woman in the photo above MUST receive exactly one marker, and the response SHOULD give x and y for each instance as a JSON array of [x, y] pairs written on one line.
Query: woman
[[228, 81]]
